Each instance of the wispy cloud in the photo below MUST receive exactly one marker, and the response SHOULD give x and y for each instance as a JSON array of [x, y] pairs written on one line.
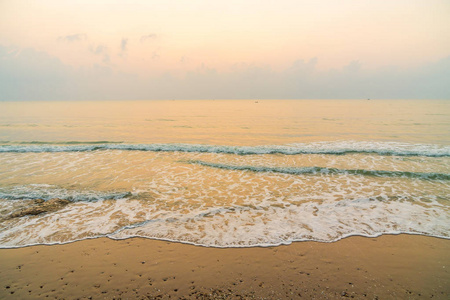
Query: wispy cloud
[[184, 59], [150, 36], [155, 55], [123, 47], [124, 44], [72, 37], [100, 50]]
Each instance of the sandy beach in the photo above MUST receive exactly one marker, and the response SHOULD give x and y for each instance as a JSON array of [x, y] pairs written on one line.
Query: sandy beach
[[387, 267], [224, 149]]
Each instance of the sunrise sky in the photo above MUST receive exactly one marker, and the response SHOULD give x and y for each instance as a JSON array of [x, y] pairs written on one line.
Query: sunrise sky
[[94, 50]]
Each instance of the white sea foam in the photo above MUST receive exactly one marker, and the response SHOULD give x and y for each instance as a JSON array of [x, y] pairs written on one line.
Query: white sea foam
[[234, 226], [234, 208], [332, 148], [223, 199], [325, 170]]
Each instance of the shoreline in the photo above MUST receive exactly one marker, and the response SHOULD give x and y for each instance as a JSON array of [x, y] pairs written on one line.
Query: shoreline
[[230, 247], [389, 266]]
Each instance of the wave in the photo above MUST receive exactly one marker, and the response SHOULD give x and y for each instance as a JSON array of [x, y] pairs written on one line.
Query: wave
[[62, 143], [244, 226], [325, 171], [47, 192], [328, 148]]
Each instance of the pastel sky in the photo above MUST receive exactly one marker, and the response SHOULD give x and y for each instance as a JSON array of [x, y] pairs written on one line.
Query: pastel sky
[[188, 49]]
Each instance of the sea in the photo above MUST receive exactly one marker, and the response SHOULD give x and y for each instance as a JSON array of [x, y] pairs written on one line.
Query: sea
[[224, 173]]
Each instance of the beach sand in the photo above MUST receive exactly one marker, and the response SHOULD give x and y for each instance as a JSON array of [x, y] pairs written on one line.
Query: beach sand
[[387, 267]]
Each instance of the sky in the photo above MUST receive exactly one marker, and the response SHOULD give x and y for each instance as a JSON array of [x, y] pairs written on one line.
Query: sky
[[190, 49]]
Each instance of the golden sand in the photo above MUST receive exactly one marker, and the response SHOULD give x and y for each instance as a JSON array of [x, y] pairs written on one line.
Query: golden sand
[[388, 267]]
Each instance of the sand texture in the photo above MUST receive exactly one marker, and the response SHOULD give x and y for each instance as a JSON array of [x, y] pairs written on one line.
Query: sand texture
[[388, 267]]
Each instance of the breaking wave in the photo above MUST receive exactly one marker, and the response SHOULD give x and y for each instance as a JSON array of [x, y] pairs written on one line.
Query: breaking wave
[[330, 148], [325, 171]]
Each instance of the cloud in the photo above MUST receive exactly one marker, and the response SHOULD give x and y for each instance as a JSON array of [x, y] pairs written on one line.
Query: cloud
[[155, 55], [150, 36], [184, 59], [123, 47], [72, 37], [100, 50], [123, 44], [27, 74]]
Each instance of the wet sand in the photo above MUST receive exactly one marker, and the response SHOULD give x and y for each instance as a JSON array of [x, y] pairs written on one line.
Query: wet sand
[[388, 267]]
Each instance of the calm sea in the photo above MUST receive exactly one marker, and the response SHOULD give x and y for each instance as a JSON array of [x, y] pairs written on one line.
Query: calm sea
[[218, 173]]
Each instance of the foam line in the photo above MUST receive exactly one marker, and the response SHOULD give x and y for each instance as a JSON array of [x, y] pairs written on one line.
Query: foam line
[[332, 148], [325, 171]]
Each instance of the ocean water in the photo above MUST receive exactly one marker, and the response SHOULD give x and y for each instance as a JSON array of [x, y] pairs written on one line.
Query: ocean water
[[235, 173]]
